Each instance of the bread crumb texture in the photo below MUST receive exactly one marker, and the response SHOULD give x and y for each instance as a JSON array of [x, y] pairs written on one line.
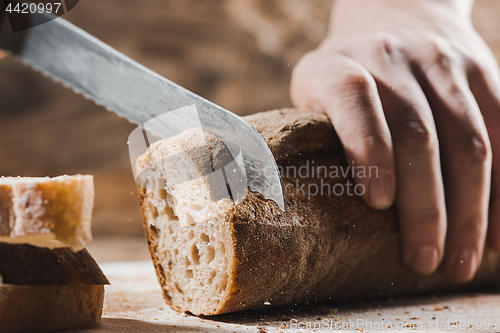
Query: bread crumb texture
[[51, 212], [213, 255], [186, 222]]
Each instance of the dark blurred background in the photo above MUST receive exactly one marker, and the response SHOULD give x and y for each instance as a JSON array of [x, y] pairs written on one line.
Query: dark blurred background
[[236, 53]]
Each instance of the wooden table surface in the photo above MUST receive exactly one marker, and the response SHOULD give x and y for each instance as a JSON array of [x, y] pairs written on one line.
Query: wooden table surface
[[133, 303]]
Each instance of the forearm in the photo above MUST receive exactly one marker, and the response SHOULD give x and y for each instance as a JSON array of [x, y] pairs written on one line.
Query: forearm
[[351, 12]]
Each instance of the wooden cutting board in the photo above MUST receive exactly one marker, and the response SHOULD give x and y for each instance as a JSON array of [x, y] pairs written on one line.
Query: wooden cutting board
[[133, 303]]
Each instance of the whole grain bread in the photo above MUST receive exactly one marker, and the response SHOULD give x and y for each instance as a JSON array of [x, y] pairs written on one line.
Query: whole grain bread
[[50, 212], [213, 257]]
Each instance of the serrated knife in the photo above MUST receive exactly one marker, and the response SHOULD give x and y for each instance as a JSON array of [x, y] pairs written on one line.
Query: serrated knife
[[94, 69]]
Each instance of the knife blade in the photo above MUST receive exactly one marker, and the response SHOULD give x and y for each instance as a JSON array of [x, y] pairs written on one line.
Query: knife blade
[[94, 69]]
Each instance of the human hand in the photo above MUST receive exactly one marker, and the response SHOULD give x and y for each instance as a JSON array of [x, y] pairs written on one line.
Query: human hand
[[406, 85]]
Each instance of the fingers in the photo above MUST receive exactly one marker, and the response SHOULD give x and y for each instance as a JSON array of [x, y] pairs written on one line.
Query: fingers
[[415, 112], [485, 85], [420, 192], [356, 113], [466, 161], [347, 93]]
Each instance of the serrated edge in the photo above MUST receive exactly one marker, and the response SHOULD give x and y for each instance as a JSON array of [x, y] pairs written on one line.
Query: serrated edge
[[65, 84]]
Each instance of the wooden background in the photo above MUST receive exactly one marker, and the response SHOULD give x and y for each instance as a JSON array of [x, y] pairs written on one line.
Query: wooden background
[[237, 53]]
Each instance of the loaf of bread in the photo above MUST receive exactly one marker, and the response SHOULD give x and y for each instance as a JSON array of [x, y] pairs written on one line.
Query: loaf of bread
[[47, 212], [213, 255]]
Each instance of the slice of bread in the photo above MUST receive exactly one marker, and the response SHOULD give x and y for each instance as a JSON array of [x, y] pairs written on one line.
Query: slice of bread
[[45, 290], [55, 285], [214, 256], [48, 212], [49, 308], [184, 221]]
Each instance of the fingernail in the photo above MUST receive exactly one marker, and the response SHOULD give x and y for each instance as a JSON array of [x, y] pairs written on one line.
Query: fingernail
[[425, 259], [465, 265], [381, 191]]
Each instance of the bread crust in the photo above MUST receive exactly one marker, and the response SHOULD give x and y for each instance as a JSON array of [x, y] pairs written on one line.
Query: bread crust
[[47, 290], [27, 265], [50, 308], [322, 247]]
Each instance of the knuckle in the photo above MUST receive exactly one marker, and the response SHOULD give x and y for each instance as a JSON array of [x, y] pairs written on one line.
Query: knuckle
[[474, 227], [442, 55], [351, 81], [369, 140], [424, 219], [376, 140], [305, 82], [445, 58], [304, 66], [474, 148], [455, 92], [470, 231], [390, 46], [317, 78], [415, 135], [441, 46]]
